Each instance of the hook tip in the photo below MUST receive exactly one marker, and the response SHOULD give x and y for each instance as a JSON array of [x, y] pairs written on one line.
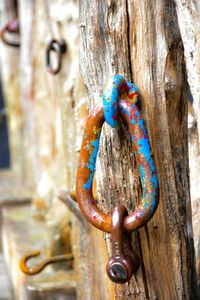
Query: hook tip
[[23, 263]]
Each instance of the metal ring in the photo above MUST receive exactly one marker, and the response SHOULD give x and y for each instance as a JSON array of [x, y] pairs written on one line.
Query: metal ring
[[11, 27], [141, 147], [59, 47]]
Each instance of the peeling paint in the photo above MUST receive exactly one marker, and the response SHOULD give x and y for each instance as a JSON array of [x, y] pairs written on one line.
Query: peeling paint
[[120, 97]]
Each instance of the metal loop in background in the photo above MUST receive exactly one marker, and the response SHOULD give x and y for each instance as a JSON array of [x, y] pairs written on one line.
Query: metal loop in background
[[59, 47], [141, 147], [10, 28]]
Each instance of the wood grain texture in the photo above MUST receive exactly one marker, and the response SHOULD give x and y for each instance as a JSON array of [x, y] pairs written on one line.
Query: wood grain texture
[[188, 13], [141, 40]]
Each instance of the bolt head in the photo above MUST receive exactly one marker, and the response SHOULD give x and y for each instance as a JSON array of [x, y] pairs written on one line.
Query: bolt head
[[119, 270]]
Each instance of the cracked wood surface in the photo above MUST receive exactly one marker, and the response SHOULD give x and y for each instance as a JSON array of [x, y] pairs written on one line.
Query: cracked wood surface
[[188, 13], [141, 40]]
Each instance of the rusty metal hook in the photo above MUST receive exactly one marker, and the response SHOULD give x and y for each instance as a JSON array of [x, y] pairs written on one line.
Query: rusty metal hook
[[59, 47], [11, 27], [45, 262], [120, 98]]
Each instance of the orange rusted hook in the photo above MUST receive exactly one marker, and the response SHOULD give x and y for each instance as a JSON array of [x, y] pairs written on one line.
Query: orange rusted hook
[[39, 267]]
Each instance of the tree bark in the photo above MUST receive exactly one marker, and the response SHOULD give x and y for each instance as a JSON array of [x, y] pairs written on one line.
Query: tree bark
[[141, 40]]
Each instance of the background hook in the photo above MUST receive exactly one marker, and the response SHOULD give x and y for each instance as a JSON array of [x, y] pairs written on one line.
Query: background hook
[[40, 266]]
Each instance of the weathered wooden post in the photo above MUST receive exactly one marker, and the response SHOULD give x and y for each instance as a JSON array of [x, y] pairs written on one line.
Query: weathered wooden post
[[141, 40], [189, 24]]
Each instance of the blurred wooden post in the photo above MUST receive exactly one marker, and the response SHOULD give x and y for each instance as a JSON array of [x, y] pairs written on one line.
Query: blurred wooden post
[[54, 114], [141, 40], [9, 58]]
